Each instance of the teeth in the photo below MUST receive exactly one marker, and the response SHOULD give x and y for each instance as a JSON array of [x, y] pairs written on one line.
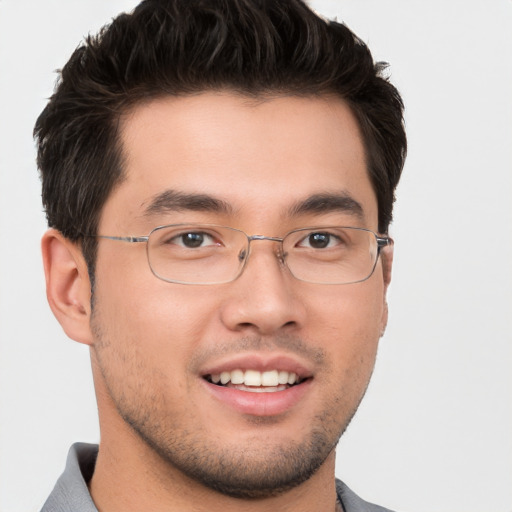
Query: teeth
[[270, 378], [261, 389], [237, 377], [282, 377], [254, 378]]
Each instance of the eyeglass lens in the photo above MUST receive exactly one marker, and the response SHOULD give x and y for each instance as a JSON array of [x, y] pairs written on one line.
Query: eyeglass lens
[[208, 254]]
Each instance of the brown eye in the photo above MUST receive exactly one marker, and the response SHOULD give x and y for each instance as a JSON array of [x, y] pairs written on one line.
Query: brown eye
[[319, 240], [192, 240]]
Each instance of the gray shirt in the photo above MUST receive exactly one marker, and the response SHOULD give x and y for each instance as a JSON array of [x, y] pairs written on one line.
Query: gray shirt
[[71, 494]]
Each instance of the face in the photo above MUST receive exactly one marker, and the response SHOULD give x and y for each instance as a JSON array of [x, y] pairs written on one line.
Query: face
[[156, 345]]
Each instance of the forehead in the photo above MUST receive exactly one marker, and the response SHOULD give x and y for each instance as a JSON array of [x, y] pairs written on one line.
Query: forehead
[[258, 157]]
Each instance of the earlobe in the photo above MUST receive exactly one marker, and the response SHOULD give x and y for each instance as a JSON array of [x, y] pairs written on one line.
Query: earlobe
[[387, 264], [67, 285]]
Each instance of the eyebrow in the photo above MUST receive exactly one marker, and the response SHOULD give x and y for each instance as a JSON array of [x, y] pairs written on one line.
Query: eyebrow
[[173, 201], [327, 203]]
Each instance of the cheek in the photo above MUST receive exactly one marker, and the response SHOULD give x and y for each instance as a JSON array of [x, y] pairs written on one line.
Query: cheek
[[144, 337], [139, 312], [349, 323], [350, 312]]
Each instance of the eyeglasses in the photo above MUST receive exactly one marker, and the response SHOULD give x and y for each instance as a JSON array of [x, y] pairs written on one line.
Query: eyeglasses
[[209, 254]]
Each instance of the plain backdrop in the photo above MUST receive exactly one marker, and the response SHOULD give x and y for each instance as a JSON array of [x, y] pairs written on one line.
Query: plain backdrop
[[435, 430]]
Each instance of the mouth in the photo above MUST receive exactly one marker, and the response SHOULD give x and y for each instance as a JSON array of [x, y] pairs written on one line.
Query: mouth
[[259, 384], [254, 381]]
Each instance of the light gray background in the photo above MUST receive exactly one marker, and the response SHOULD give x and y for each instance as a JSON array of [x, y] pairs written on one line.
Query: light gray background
[[435, 430]]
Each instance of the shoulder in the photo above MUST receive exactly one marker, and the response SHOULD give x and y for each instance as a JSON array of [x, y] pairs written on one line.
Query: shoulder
[[353, 503]]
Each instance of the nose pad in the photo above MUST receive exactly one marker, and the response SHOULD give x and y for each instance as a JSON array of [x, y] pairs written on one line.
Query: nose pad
[[243, 255], [281, 256]]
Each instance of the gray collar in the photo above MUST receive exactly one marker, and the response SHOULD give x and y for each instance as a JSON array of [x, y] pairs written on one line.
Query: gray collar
[[71, 494]]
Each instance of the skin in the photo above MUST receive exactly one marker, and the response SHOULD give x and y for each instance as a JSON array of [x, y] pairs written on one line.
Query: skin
[[151, 341]]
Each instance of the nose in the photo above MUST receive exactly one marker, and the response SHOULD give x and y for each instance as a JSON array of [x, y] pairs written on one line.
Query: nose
[[264, 298]]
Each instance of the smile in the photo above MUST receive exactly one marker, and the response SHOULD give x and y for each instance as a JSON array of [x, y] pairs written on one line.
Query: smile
[[255, 381]]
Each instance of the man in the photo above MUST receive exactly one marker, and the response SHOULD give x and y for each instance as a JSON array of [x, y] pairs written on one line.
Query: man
[[218, 178]]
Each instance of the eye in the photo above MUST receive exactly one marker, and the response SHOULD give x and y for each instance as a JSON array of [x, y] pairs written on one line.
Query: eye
[[319, 240], [193, 240]]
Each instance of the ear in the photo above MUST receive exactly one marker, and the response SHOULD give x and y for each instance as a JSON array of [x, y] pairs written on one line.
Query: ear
[[68, 288], [386, 256]]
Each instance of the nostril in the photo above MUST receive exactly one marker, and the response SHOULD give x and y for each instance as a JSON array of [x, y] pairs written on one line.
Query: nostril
[[242, 326]]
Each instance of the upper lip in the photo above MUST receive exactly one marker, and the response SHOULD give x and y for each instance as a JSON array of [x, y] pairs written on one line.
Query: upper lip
[[259, 362]]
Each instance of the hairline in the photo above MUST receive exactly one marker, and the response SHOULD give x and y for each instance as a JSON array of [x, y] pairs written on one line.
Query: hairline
[[254, 97]]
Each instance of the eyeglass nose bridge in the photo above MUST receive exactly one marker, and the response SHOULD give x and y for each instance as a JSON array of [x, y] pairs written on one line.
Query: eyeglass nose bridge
[[263, 237], [244, 256]]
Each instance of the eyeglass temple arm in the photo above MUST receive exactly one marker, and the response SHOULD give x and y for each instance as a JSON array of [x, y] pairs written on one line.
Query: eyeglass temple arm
[[383, 242], [130, 239]]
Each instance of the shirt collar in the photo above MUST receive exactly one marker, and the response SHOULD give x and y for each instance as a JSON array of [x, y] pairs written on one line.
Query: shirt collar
[[70, 491]]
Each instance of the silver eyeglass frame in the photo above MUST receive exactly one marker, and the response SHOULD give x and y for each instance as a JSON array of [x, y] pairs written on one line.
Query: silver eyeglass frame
[[382, 242]]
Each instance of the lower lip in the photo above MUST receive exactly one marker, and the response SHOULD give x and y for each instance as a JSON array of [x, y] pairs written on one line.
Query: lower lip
[[259, 404]]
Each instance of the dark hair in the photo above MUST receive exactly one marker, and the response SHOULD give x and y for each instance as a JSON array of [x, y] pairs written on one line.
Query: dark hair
[[180, 47]]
